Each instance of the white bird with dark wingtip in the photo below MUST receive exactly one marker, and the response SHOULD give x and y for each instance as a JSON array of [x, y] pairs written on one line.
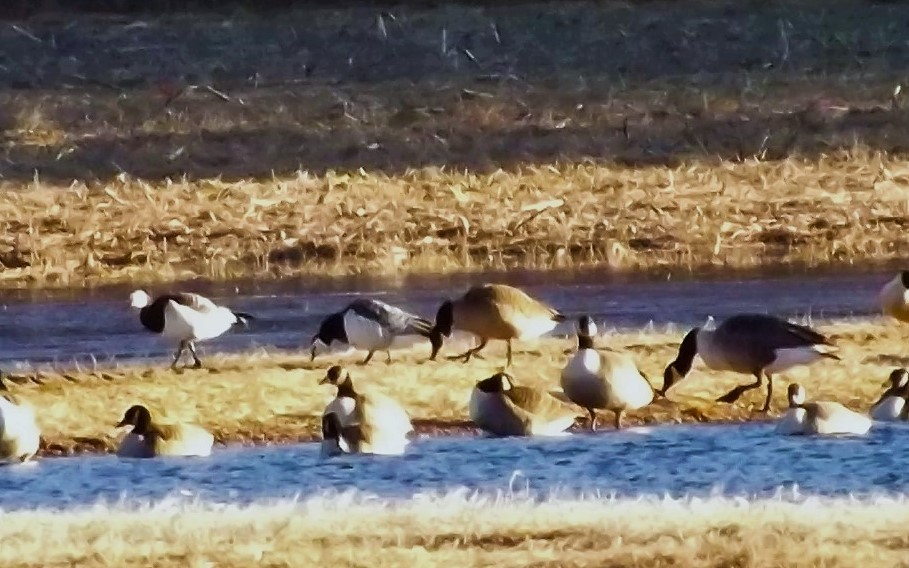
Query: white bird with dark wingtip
[[824, 418], [894, 297], [755, 344], [370, 325], [19, 433], [186, 318], [892, 405], [606, 380]]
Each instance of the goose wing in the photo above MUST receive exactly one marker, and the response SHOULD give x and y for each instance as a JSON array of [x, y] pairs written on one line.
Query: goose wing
[[530, 402], [769, 330], [391, 317], [511, 299], [195, 301]]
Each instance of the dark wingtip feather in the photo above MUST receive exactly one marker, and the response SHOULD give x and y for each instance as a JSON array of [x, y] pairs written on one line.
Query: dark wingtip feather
[[557, 317], [423, 326], [244, 318]]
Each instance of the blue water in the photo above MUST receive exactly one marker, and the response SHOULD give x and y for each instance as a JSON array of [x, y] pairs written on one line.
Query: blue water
[[675, 460], [73, 329]]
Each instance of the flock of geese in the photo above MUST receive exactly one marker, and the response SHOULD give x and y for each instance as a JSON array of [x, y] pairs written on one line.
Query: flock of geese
[[361, 420]]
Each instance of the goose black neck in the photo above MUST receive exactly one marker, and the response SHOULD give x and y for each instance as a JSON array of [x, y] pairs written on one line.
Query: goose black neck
[[585, 342], [346, 388], [687, 350]]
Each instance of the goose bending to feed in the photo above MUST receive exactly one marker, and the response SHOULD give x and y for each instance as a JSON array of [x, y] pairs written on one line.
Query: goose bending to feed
[[493, 311], [502, 408], [19, 433], [754, 344], [606, 380], [151, 437], [824, 418], [185, 318], [892, 405], [894, 297], [371, 325], [365, 422]]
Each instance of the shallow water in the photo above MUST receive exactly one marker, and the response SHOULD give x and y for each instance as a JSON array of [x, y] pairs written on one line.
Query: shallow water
[[76, 327], [676, 460]]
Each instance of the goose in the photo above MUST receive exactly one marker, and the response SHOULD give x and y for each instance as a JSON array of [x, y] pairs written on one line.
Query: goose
[[19, 433], [894, 297], [501, 408], [368, 324], [603, 380], [493, 311], [756, 344], [370, 422], [824, 418], [150, 437], [891, 406], [185, 317]]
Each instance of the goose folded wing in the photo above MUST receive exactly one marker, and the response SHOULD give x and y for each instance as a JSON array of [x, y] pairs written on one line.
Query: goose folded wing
[[391, 317]]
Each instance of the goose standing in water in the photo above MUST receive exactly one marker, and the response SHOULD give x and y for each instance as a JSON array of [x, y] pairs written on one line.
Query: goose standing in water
[[493, 311], [19, 433], [150, 437], [823, 418], [186, 318], [364, 422], [370, 325], [755, 344], [892, 405], [894, 297], [603, 380], [501, 408]]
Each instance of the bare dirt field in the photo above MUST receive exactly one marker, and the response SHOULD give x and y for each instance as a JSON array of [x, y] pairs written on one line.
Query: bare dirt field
[[405, 139]]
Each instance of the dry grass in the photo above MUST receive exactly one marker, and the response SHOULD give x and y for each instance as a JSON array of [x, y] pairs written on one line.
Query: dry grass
[[460, 530], [262, 398], [435, 139]]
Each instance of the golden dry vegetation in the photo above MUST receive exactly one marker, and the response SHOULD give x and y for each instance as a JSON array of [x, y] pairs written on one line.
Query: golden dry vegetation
[[269, 398], [459, 530], [448, 138]]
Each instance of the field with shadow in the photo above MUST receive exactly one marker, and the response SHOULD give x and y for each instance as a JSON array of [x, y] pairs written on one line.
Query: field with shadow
[[415, 138]]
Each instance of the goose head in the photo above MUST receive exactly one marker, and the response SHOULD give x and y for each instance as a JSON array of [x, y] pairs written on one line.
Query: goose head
[[331, 329], [897, 380], [587, 330], [677, 370], [500, 382], [796, 395], [442, 328], [339, 377], [138, 417]]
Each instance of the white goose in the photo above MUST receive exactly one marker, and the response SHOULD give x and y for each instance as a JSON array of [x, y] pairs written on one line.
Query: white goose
[[891, 406], [603, 380], [19, 433], [823, 418], [186, 318]]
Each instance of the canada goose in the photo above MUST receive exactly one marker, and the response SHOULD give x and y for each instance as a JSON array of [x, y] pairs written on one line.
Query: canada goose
[[371, 325], [894, 297], [501, 408], [370, 422], [493, 311], [150, 437], [891, 406], [755, 344], [608, 380], [824, 418], [186, 318], [19, 433]]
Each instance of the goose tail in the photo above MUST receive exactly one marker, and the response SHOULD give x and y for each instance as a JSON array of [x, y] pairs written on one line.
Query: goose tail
[[421, 326]]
